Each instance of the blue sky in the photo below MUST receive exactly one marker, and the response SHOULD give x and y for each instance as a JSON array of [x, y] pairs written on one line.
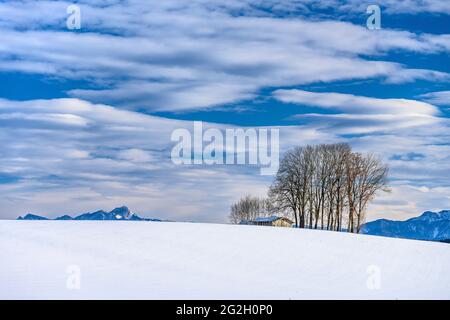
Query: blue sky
[[86, 115]]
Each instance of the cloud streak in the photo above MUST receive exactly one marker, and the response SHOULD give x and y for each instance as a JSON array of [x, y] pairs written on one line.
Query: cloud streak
[[439, 97]]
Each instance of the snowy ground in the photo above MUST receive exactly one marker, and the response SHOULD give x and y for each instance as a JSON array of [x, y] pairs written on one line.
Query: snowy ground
[[151, 260]]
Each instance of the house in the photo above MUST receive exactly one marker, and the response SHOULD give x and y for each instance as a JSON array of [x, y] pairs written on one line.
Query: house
[[272, 221]]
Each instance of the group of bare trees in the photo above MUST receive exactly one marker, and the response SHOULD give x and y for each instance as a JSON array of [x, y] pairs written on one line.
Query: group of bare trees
[[249, 208], [323, 186]]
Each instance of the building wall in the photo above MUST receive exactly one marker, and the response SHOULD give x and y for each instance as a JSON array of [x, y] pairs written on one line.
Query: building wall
[[281, 223]]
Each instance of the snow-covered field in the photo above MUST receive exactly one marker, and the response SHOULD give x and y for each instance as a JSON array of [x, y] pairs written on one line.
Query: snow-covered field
[[157, 260]]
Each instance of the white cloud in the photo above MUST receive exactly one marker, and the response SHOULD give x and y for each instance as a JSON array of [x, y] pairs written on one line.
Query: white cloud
[[348, 7], [135, 155], [439, 97], [351, 114], [406, 201], [356, 104]]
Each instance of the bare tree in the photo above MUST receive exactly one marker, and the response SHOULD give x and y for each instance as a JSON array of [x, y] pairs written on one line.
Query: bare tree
[[283, 192], [340, 154], [249, 208], [372, 177], [354, 168]]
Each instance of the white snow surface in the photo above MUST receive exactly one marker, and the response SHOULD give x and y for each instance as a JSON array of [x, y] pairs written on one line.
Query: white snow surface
[[168, 260]]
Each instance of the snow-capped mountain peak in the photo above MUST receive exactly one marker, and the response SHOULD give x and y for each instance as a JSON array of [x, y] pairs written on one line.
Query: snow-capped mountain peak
[[427, 216], [445, 214], [120, 213]]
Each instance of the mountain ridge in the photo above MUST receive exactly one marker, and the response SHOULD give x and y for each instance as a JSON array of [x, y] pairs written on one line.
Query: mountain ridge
[[432, 226], [117, 214]]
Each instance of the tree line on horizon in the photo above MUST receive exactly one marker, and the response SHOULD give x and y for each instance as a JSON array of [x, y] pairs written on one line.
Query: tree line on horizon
[[325, 186]]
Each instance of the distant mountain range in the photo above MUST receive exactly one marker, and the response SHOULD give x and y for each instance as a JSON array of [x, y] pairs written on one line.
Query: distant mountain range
[[433, 226], [118, 214]]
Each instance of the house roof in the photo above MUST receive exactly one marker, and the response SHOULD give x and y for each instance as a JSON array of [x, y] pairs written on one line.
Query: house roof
[[265, 219], [270, 219]]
